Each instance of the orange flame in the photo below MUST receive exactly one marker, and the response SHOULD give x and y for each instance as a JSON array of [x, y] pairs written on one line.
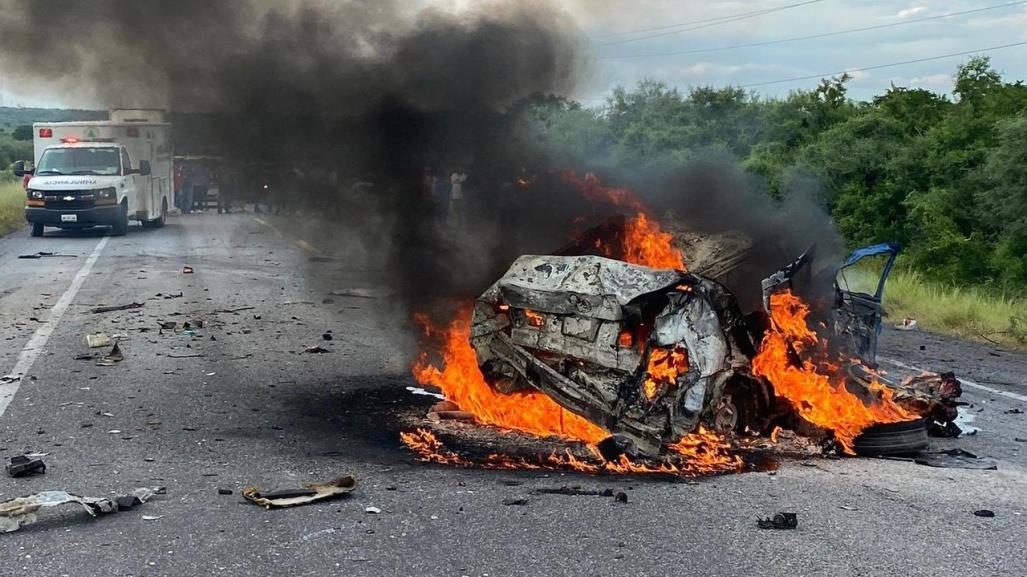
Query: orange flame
[[593, 189], [645, 243], [664, 367], [705, 453], [534, 319], [817, 389], [530, 411]]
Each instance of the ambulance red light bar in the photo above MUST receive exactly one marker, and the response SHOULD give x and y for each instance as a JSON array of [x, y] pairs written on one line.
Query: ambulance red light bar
[[45, 133], [70, 140]]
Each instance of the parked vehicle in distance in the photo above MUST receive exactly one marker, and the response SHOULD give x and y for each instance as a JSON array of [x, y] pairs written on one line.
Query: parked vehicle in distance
[[99, 173]]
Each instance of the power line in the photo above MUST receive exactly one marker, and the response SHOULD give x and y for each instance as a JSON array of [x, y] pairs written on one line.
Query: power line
[[880, 66], [815, 36], [759, 12], [717, 22]]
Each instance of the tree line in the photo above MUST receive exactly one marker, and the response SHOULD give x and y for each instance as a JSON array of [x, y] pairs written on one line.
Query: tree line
[[946, 177]]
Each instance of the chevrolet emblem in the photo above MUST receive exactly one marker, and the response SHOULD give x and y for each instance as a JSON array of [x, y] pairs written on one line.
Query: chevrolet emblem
[[69, 198]]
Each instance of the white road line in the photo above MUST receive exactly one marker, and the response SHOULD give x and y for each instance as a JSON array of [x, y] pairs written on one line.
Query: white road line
[[967, 382], [299, 242], [39, 338]]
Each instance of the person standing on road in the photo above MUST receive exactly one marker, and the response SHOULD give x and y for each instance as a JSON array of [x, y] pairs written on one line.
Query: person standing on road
[[200, 179], [456, 197], [229, 184], [185, 200]]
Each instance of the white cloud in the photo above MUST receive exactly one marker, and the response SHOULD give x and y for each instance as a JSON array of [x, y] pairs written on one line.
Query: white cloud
[[716, 69], [858, 74], [932, 81], [911, 11], [711, 69]]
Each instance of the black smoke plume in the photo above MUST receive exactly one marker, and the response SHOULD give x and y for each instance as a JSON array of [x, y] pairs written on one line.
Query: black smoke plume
[[370, 91]]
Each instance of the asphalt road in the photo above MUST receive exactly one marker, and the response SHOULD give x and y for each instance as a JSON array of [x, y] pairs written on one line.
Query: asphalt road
[[241, 403]]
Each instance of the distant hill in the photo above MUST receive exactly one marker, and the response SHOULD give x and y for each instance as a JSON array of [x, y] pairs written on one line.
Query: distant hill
[[19, 116]]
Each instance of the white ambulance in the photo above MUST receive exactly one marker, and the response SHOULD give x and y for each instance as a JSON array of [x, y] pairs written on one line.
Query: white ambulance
[[100, 173]]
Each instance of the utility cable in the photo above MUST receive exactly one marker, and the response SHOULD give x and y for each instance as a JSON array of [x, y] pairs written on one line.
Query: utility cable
[[880, 66], [815, 36], [712, 22]]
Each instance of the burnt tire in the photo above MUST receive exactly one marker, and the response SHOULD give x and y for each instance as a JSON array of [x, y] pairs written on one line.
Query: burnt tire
[[37, 229], [892, 439], [751, 400]]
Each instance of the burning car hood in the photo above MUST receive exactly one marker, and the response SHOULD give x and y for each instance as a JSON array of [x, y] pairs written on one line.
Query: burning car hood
[[586, 285]]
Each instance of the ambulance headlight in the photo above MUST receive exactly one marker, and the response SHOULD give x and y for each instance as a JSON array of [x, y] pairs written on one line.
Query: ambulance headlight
[[36, 194], [106, 193]]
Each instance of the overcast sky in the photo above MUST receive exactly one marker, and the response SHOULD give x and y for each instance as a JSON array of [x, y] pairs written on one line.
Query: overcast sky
[[618, 50], [747, 66]]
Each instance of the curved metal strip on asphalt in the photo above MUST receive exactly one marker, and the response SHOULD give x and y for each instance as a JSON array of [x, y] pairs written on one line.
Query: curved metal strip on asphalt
[[38, 340]]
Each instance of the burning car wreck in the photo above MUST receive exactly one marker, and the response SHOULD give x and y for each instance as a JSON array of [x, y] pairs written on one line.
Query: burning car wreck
[[645, 349], [647, 354], [657, 367]]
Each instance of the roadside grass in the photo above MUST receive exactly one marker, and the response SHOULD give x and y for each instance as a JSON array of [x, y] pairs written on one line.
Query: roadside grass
[[12, 207], [969, 313]]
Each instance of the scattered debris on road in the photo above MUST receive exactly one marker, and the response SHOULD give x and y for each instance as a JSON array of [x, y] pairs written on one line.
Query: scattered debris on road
[[111, 358], [187, 270], [933, 395], [21, 511], [420, 391], [240, 309], [984, 513], [23, 465], [372, 510], [113, 308], [316, 350], [448, 411], [311, 493], [47, 254], [97, 340], [573, 491], [907, 324], [360, 293], [778, 521], [520, 501], [956, 459]]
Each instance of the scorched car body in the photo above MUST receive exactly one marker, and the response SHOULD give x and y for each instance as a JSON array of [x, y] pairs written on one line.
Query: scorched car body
[[648, 354]]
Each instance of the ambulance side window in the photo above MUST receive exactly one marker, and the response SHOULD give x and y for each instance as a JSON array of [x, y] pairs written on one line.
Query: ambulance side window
[[126, 164]]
